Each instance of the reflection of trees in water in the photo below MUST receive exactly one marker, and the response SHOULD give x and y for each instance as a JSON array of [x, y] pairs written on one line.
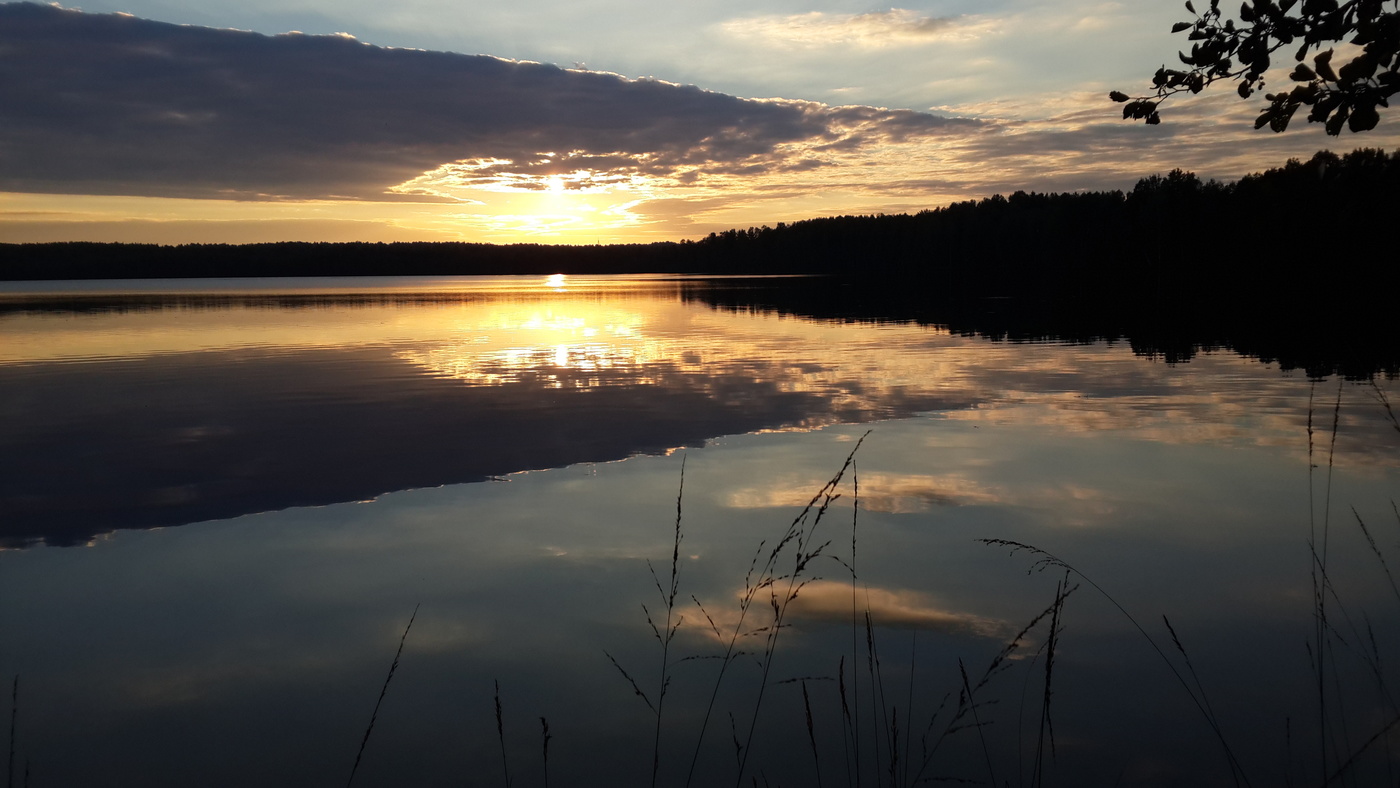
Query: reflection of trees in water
[[1358, 348]]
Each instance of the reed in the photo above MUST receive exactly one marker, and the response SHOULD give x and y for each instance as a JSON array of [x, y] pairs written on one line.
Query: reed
[[501, 735], [878, 736], [544, 748], [1047, 560], [384, 690], [14, 718]]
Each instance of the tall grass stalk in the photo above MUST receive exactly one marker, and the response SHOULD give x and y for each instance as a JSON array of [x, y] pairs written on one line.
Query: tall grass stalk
[[848, 744], [776, 576], [967, 703], [664, 633], [801, 534], [667, 632], [501, 735], [1322, 641], [14, 716], [1046, 559], [374, 715], [811, 733], [1047, 723], [909, 703], [1336, 745], [781, 590], [544, 747], [981, 736], [855, 637]]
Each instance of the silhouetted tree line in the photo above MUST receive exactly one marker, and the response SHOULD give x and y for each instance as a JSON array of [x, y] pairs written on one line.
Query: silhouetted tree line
[[1170, 233], [1305, 229], [1300, 256]]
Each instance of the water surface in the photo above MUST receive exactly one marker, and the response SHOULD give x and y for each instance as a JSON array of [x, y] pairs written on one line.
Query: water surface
[[223, 500]]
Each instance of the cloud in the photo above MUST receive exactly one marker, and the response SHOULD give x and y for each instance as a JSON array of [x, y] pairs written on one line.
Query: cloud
[[830, 602], [113, 104], [896, 27], [880, 492], [825, 602]]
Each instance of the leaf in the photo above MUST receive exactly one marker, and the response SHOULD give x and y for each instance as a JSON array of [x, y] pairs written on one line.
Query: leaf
[[1190, 7], [1153, 119], [1287, 4], [1180, 26], [1117, 96], [1334, 123], [1361, 67], [1324, 65], [1324, 107], [1246, 13], [1130, 110], [1244, 92], [1302, 74], [1363, 118]]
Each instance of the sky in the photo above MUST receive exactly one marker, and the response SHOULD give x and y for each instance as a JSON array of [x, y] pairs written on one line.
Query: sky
[[588, 121]]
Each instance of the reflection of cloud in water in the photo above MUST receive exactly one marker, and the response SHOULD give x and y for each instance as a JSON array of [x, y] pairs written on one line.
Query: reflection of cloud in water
[[1074, 504], [895, 493], [830, 601], [182, 414], [1266, 414], [827, 602]]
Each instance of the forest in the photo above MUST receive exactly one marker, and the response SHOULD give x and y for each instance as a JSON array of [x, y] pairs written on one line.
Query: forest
[[1170, 230], [1305, 249]]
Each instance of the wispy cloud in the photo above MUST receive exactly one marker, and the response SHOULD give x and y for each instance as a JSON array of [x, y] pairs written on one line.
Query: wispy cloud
[[880, 492], [117, 105], [896, 27], [827, 602], [352, 140]]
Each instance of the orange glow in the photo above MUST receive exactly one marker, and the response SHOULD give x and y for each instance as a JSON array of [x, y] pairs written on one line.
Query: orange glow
[[582, 332]]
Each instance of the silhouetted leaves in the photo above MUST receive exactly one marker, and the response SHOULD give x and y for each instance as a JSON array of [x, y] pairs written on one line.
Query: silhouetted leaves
[[1345, 95]]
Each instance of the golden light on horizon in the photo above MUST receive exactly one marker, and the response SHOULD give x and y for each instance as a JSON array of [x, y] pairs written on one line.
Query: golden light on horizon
[[597, 333]]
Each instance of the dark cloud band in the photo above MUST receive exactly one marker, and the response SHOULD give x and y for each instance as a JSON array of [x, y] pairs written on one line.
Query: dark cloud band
[[112, 104]]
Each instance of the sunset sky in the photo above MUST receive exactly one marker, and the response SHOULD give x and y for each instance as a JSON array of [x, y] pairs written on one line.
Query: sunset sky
[[606, 121]]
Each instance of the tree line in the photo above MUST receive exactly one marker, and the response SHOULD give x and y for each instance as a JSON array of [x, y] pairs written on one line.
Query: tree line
[[1316, 231]]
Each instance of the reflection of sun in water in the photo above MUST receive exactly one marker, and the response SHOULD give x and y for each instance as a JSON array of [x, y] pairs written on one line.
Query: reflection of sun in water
[[555, 281]]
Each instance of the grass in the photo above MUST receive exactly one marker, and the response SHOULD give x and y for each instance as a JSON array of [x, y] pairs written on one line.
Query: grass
[[895, 742], [384, 690], [877, 734], [876, 741]]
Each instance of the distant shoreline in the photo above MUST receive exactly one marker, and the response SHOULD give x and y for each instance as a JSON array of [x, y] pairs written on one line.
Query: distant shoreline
[[1306, 242]]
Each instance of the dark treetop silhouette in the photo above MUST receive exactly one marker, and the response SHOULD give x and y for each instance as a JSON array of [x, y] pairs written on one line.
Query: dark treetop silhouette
[[1340, 94]]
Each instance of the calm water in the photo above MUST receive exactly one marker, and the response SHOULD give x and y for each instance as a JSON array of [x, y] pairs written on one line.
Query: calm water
[[222, 501]]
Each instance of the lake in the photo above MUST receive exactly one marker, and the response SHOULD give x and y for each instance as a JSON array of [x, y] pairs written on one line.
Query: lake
[[224, 500]]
